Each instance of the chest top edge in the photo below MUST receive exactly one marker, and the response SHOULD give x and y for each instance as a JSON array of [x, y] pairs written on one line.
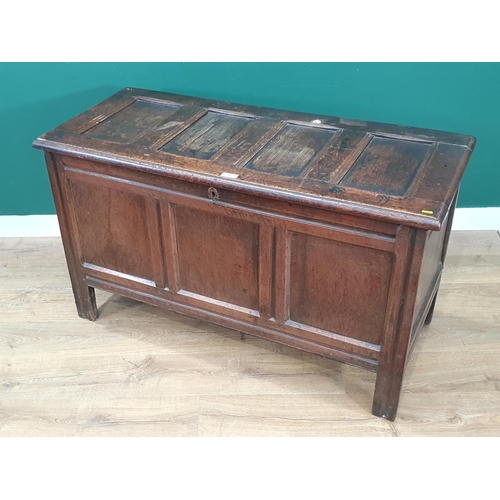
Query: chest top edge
[[387, 172]]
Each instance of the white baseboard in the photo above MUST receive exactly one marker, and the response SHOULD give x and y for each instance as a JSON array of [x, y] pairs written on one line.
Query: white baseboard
[[476, 219], [25, 226]]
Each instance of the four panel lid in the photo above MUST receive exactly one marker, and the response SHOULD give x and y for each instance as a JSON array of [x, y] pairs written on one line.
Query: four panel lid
[[387, 172]]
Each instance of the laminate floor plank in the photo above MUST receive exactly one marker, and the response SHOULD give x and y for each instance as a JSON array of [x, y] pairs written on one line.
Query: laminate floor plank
[[304, 415], [143, 371], [91, 414]]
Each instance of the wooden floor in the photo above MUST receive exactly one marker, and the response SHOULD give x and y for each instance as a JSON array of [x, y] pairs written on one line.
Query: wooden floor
[[143, 371]]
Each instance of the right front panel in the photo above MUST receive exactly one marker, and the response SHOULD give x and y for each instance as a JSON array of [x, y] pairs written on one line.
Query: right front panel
[[339, 287]]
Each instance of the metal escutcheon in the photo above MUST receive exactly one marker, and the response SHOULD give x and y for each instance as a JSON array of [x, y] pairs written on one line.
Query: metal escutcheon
[[213, 194]]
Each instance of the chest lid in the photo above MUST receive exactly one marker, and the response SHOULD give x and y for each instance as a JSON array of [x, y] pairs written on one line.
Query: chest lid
[[387, 172]]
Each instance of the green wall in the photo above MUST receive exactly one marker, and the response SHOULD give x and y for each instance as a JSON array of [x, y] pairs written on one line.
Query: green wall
[[456, 97]]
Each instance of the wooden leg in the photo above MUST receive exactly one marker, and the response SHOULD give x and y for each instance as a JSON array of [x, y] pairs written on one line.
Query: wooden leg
[[387, 390], [84, 294], [391, 364], [430, 313], [86, 303]]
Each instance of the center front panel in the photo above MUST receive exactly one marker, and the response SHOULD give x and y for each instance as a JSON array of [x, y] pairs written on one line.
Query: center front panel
[[218, 257]]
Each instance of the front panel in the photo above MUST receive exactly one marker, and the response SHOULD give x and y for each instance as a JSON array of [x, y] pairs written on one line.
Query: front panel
[[339, 287], [112, 229], [315, 281], [217, 256]]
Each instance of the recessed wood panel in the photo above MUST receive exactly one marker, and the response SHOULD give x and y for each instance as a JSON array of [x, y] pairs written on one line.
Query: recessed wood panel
[[430, 265], [250, 140], [387, 166], [127, 124], [207, 136], [341, 153], [218, 256], [339, 287], [443, 168], [115, 236], [292, 150]]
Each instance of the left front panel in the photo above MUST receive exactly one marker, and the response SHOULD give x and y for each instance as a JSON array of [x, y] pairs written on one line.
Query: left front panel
[[117, 231]]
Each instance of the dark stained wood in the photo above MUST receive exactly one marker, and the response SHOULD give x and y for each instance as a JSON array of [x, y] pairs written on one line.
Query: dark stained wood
[[127, 124], [84, 294], [267, 264], [115, 237], [431, 266], [218, 256], [100, 172], [157, 247], [332, 281], [308, 179], [168, 242], [441, 179], [291, 151], [403, 290], [320, 233], [207, 136], [387, 166], [98, 113], [181, 120], [282, 275], [444, 249], [248, 142], [338, 158]]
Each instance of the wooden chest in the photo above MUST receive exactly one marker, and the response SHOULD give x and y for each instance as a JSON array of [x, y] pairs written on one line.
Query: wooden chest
[[320, 233]]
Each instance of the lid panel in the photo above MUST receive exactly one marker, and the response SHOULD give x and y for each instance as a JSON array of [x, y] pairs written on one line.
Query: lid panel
[[249, 141], [387, 166], [207, 136], [339, 156], [292, 150], [444, 166], [127, 124], [380, 171]]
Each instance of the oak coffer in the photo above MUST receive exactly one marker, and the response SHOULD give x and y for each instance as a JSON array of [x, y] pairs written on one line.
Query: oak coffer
[[320, 233]]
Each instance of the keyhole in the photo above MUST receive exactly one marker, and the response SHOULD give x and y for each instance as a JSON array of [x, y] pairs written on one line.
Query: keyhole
[[213, 193]]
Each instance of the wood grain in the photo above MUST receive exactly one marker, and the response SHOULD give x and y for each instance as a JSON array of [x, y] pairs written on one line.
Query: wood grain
[[207, 136], [386, 172], [140, 116], [144, 371]]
